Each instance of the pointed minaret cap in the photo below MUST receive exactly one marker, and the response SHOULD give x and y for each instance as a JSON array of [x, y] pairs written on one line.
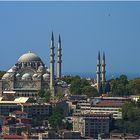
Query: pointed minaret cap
[[52, 37], [103, 55], [98, 55], [59, 40]]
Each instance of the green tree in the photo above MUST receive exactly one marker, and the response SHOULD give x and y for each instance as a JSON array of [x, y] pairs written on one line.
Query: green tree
[[60, 95], [2, 73], [127, 111], [134, 86], [120, 86], [130, 122], [41, 93], [56, 118], [47, 96], [31, 100], [69, 79], [90, 91], [75, 87]]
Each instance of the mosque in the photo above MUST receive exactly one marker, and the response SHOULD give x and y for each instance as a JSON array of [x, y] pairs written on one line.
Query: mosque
[[29, 74]]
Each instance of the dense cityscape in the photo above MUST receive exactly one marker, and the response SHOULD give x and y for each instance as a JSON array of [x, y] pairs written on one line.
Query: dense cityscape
[[46, 47], [37, 104]]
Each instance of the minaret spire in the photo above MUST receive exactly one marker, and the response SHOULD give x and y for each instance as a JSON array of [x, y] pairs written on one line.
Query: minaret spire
[[103, 69], [52, 39], [52, 61], [98, 72], [59, 58]]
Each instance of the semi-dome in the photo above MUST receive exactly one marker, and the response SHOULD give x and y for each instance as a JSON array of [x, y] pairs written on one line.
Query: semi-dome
[[17, 75], [29, 57], [10, 70], [14, 68], [40, 69], [35, 76], [26, 76], [6, 76], [46, 76]]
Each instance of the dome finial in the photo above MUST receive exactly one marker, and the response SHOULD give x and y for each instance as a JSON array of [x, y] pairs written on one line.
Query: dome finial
[[29, 52]]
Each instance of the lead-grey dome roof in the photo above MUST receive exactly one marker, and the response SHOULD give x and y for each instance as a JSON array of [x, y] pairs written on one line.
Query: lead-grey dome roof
[[26, 76], [29, 57]]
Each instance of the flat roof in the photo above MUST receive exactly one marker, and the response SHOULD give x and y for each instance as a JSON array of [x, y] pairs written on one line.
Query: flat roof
[[9, 92], [16, 101]]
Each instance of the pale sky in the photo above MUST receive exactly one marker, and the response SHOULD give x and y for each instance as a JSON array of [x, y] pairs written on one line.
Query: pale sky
[[85, 28]]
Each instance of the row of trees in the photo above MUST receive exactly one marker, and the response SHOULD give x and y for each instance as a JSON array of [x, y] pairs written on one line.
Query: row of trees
[[80, 86], [130, 122], [123, 87], [45, 94], [120, 86]]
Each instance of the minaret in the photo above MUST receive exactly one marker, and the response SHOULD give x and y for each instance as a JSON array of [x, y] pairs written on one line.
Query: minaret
[[103, 69], [59, 59], [52, 61], [98, 72]]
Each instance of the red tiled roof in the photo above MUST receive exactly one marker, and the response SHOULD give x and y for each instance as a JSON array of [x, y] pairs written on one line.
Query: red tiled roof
[[93, 115], [19, 112], [109, 104], [23, 118], [12, 136], [113, 98], [26, 104]]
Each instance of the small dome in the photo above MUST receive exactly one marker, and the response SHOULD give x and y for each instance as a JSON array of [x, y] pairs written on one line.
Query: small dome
[[40, 69], [26, 76], [35, 75], [29, 57], [14, 68], [46, 76], [17, 75], [6, 76]]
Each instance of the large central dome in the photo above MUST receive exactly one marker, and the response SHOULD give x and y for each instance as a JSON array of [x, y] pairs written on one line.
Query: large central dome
[[29, 57]]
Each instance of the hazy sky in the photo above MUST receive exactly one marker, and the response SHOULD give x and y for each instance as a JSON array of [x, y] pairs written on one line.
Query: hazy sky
[[85, 28]]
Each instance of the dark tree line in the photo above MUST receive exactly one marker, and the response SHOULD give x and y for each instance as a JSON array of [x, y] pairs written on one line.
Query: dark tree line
[[121, 86], [130, 122], [80, 86], [2, 73]]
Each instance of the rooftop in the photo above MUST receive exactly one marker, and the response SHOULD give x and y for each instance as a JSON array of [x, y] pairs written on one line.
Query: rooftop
[[93, 115], [109, 104], [113, 98], [19, 112], [12, 136]]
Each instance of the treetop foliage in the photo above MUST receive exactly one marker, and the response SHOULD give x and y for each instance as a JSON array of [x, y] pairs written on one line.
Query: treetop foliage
[[80, 86], [121, 86], [2, 73], [56, 118], [130, 122]]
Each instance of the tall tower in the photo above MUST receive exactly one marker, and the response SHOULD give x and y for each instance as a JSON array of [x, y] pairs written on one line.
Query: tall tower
[[52, 61], [103, 69], [59, 58], [98, 72]]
